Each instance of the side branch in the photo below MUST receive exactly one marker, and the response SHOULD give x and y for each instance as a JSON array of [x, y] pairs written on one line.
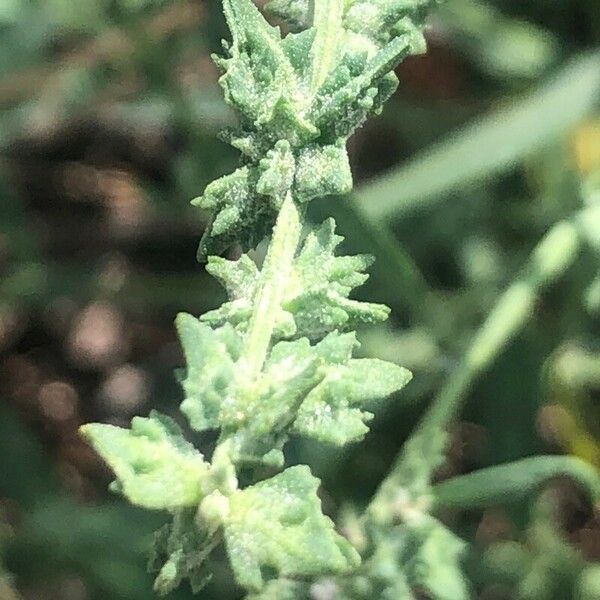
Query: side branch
[[555, 253]]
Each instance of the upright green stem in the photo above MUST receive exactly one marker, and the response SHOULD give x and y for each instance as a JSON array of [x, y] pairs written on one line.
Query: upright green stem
[[551, 257], [555, 253], [276, 272]]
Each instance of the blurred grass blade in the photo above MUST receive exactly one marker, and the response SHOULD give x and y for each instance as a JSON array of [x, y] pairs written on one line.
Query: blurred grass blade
[[491, 145], [507, 483], [501, 45]]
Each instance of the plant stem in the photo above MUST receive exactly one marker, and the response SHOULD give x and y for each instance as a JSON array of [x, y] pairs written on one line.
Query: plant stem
[[551, 258], [554, 254], [276, 272]]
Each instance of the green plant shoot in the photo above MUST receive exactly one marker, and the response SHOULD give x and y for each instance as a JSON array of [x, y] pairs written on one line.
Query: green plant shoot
[[277, 359]]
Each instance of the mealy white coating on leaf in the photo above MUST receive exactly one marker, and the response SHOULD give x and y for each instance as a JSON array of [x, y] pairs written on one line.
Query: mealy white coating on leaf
[[311, 91], [277, 171], [296, 12], [327, 21], [274, 359], [155, 466], [211, 356], [331, 412], [278, 525], [316, 300], [314, 390]]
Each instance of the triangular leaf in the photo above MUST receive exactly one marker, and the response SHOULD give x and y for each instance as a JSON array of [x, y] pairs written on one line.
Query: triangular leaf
[[155, 466], [259, 72], [277, 526], [317, 298], [324, 283], [322, 171]]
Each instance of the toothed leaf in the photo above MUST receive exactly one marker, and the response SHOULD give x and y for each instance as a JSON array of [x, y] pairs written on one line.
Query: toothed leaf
[[381, 19], [322, 171], [155, 466], [295, 12], [239, 212], [324, 284], [277, 526], [317, 298], [300, 98], [333, 413], [258, 73], [340, 107]]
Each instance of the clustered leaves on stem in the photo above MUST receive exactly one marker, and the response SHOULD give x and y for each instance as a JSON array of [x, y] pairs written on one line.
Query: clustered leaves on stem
[[277, 358]]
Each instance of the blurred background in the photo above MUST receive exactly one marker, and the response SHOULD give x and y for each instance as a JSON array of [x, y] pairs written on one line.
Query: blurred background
[[109, 111]]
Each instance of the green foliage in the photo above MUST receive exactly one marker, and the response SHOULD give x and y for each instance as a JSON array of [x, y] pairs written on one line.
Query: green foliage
[[180, 551], [299, 98], [154, 465], [547, 566], [277, 524], [316, 299], [436, 563], [295, 12], [419, 554], [277, 359], [315, 390]]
